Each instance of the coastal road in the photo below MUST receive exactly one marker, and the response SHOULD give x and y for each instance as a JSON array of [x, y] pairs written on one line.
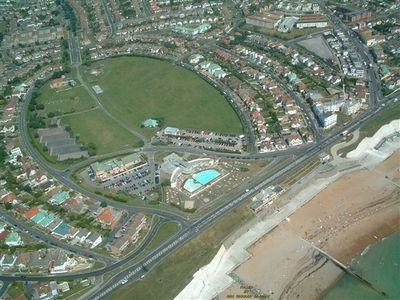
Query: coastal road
[[140, 269], [58, 175], [81, 274]]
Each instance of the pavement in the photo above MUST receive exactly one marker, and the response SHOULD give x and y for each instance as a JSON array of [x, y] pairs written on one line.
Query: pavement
[[189, 229]]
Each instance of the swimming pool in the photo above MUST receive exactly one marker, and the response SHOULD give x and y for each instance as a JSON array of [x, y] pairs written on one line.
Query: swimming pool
[[200, 179], [206, 176], [191, 185]]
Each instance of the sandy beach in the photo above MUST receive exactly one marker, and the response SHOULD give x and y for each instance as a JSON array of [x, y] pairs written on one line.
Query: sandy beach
[[357, 210]]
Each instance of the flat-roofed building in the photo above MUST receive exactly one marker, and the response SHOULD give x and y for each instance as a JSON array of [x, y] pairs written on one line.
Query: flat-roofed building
[[268, 20], [108, 169], [310, 21]]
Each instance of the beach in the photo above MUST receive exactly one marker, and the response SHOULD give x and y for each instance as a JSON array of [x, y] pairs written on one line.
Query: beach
[[358, 209]]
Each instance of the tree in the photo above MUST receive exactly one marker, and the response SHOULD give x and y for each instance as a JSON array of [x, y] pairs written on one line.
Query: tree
[[103, 204]]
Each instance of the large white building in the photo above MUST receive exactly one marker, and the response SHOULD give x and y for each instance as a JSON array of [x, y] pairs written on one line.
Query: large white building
[[311, 21], [327, 119]]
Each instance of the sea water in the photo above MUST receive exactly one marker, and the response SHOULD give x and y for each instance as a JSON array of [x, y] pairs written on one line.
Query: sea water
[[380, 265]]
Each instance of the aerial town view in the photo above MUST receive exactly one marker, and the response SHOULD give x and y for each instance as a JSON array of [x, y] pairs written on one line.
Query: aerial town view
[[199, 149]]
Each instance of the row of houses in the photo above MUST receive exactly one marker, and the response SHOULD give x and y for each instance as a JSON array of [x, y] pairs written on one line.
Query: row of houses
[[60, 228], [50, 260], [128, 234]]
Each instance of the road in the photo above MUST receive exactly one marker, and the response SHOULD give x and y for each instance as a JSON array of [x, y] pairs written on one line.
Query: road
[[140, 269], [58, 175], [49, 239], [81, 274], [109, 17], [189, 230]]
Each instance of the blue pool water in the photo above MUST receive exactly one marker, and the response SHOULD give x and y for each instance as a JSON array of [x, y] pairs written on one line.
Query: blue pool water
[[206, 176], [191, 185], [199, 179]]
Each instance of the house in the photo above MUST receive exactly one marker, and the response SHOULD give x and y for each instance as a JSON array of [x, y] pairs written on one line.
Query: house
[[295, 139], [45, 291], [94, 239], [32, 212], [131, 234], [8, 198], [110, 217], [150, 123], [76, 206], [63, 287], [60, 198], [7, 261], [62, 230], [62, 265], [15, 153], [13, 239], [195, 58], [81, 236]]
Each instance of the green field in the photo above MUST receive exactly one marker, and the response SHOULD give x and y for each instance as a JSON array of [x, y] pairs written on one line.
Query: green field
[[66, 101], [95, 127], [167, 280], [165, 231], [137, 88]]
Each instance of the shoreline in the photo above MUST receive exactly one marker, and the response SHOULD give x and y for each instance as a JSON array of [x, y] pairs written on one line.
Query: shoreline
[[341, 224], [281, 242]]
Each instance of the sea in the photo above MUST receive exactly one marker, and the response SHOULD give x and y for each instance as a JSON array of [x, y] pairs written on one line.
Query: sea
[[380, 265]]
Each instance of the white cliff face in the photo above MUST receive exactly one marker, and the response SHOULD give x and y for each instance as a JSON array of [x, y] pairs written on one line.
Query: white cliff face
[[213, 278], [367, 145]]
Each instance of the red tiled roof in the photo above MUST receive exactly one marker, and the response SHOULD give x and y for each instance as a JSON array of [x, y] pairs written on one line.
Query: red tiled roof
[[106, 216], [32, 212]]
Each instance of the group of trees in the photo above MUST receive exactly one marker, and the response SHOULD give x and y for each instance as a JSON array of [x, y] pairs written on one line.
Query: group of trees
[[65, 59], [69, 14]]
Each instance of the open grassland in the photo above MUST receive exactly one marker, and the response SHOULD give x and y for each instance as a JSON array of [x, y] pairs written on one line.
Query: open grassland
[[95, 127], [64, 101], [166, 230], [168, 279], [137, 88]]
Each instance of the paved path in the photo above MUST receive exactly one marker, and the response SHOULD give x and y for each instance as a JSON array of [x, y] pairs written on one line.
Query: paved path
[[337, 147], [101, 106]]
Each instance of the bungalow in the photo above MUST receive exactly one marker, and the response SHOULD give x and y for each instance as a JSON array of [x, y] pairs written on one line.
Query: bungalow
[[13, 239], [150, 123], [294, 139], [196, 58], [110, 217], [61, 266], [7, 261], [60, 198], [8, 198], [45, 291], [62, 230], [94, 239]]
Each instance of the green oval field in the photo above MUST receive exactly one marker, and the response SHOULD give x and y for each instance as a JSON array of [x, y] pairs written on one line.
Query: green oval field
[[137, 88]]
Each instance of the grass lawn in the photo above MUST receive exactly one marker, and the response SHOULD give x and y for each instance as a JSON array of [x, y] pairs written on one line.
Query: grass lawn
[[95, 127], [373, 125], [170, 277], [64, 101], [166, 230], [16, 289], [137, 88]]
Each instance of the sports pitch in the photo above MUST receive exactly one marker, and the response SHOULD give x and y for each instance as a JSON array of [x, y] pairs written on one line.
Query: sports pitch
[[137, 88]]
